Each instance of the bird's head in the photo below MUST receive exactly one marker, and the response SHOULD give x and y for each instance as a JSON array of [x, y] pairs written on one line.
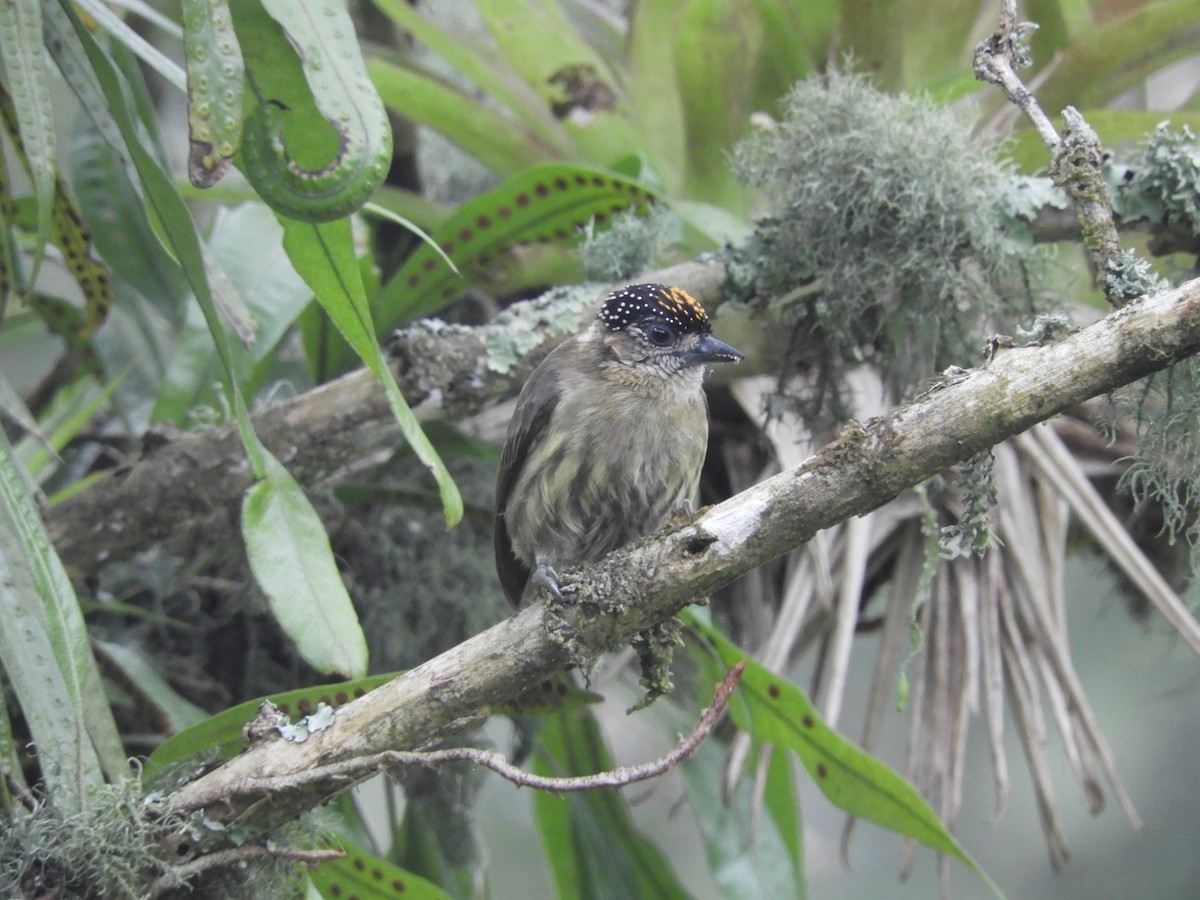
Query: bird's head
[[660, 329]]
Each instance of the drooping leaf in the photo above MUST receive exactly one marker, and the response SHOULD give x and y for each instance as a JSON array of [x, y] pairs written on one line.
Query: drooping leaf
[[317, 142], [113, 204], [775, 711], [589, 838], [28, 113], [215, 82], [324, 257], [45, 653], [292, 561]]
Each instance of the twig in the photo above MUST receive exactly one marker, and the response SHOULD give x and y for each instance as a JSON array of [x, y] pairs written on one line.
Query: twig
[[355, 767], [996, 62], [17, 789], [1076, 156]]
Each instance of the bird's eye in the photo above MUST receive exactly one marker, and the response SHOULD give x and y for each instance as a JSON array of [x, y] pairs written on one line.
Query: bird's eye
[[660, 335]]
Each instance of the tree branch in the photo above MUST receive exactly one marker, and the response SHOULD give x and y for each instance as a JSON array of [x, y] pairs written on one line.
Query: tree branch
[[644, 583], [357, 767]]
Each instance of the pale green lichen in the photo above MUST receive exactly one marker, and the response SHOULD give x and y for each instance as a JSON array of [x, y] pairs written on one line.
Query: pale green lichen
[[523, 327], [631, 244], [887, 240], [972, 535], [1162, 182]]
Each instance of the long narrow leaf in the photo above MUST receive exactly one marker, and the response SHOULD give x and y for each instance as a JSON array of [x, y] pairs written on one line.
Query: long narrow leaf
[[777, 712], [496, 140], [45, 652], [748, 858], [324, 256], [592, 845], [368, 877], [223, 735], [482, 65], [28, 91]]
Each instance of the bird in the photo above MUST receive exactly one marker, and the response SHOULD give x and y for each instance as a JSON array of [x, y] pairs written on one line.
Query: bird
[[607, 438]]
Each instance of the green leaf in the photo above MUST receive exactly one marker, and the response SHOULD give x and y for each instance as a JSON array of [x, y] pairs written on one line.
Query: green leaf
[[775, 711], [591, 843], [1105, 60], [324, 257], [544, 204], [714, 87], [317, 143], [797, 40], [178, 230], [45, 653], [540, 43], [367, 877], [935, 35], [215, 83], [653, 87], [26, 95], [121, 231], [222, 734], [748, 857], [291, 558], [482, 65], [495, 139]]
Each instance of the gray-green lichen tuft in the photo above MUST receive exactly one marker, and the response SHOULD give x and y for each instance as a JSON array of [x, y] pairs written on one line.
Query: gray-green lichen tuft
[[522, 328], [886, 240], [1162, 182], [630, 245], [972, 535], [1128, 276], [108, 850]]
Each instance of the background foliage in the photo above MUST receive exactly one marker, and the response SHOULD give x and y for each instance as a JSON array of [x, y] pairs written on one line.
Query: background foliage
[[207, 206]]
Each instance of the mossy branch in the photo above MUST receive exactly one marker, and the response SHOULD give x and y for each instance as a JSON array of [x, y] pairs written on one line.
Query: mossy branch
[[866, 466]]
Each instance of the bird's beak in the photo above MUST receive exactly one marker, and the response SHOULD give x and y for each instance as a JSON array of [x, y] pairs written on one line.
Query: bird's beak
[[712, 350]]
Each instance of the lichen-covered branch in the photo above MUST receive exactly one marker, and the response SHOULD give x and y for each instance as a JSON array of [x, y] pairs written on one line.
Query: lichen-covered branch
[[355, 768], [1076, 154], [866, 466]]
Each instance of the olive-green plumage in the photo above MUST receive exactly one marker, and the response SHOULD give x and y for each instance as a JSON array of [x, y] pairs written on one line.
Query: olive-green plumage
[[608, 436]]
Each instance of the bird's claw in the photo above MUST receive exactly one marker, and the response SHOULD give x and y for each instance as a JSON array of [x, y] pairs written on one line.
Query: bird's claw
[[546, 578], [682, 509]]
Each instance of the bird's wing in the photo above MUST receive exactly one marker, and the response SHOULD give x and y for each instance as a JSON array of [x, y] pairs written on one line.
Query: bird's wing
[[529, 421]]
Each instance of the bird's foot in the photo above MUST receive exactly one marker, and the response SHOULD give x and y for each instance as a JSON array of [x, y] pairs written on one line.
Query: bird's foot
[[682, 509], [546, 578]]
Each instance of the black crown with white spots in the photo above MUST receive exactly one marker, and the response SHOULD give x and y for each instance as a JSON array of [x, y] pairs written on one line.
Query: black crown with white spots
[[639, 303]]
